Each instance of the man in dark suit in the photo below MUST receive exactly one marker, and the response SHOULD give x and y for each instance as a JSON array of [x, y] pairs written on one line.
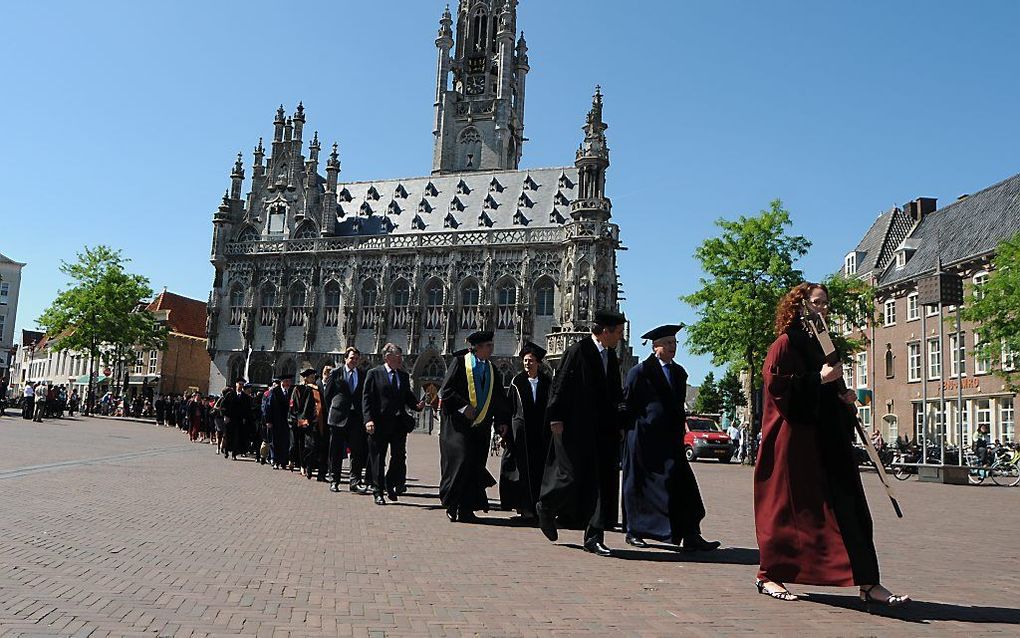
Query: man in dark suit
[[586, 416], [278, 422], [236, 418], [342, 394], [387, 395]]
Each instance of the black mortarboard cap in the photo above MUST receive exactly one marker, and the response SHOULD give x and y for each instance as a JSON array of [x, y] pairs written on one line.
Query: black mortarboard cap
[[533, 348], [307, 372], [480, 337], [609, 318], [667, 330]]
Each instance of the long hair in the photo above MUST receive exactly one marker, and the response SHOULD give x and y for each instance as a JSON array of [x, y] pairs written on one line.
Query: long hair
[[788, 310]]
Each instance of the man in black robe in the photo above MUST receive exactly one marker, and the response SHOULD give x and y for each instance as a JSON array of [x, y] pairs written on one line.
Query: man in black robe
[[581, 478], [660, 494], [472, 400], [526, 441], [236, 416], [278, 422]]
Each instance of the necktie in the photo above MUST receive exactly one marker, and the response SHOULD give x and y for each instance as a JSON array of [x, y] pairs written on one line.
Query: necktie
[[351, 381], [605, 361], [669, 376], [393, 379]]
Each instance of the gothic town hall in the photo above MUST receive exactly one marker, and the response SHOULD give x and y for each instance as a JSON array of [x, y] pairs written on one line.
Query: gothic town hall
[[306, 264]]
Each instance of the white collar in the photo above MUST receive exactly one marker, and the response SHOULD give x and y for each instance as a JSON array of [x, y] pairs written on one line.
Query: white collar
[[598, 344], [389, 370]]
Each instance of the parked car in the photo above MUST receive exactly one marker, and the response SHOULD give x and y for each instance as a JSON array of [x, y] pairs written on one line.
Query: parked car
[[703, 438]]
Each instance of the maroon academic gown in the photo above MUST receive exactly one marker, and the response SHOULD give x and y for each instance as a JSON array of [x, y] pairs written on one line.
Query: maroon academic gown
[[810, 513]]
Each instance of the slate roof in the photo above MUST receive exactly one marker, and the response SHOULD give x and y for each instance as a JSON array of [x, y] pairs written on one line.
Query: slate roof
[[461, 201], [876, 248], [967, 228], [186, 315]]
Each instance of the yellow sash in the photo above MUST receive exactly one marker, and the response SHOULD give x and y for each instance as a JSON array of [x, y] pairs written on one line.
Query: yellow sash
[[473, 394]]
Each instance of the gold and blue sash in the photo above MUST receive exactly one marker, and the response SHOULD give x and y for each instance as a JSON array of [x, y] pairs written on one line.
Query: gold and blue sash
[[473, 393]]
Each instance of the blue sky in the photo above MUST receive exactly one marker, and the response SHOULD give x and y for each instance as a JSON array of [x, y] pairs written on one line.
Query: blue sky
[[122, 119]]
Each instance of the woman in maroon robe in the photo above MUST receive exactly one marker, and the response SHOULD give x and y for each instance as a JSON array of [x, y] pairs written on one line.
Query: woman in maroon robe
[[812, 519]]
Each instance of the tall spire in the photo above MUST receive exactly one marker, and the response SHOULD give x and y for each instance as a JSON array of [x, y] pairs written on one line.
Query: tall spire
[[237, 178], [592, 161]]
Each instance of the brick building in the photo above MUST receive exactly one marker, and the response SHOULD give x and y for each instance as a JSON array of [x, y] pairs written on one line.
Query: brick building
[[909, 363]]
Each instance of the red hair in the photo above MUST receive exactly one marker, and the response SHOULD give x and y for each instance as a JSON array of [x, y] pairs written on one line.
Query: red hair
[[788, 309]]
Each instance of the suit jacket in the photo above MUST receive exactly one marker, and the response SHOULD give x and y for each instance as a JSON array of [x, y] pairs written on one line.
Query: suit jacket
[[385, 405], [279, 406], [344, 405]]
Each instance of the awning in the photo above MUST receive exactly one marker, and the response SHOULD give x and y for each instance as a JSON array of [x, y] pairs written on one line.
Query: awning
[[84, 379]]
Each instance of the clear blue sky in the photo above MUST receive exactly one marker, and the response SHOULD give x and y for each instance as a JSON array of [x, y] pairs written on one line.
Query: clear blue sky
[[121, 120]]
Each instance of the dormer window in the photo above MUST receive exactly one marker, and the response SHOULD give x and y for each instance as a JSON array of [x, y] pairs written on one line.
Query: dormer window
[[366, 209], [393, 208], [450, 221], [556, 218], [418, 223], [344, 195], [495, 186], [530, 184], [431, 190], [277, 220], [564, 182], [850, 264], [525, 201], [456, 204], [901, 258], [424, 206], [462, 188], [490, 203], [485, 220], [560, 199], [372, 194], [520, 219], [400, 192]]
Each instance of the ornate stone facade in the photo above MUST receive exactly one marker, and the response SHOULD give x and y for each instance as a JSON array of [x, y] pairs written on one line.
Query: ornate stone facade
[[306, 265]]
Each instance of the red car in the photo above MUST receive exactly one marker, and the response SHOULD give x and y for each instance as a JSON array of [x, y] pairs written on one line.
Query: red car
[[704, 439]]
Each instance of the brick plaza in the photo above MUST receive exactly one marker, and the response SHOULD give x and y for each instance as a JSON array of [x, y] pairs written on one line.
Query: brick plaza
[[115, 528]]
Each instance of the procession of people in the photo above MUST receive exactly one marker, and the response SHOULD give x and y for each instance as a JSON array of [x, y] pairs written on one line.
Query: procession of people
[[583, 446]]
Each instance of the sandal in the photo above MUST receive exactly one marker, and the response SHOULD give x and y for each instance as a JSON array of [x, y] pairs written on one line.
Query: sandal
[[894, 600], [778, 595]]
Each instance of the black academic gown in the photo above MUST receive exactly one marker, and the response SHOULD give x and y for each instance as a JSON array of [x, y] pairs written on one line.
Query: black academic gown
[[463, 447], [523, 462], [580, 483], [660, 493]]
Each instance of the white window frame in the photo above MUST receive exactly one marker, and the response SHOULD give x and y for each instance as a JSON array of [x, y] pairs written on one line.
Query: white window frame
[[5, 291], [889, 315], [862, 369], [1007, 419], [979, 279], [981, 364], [934, 359], [958, 355], [850, 264], [139, 362], [153, 361], [915, 361], [983, 415], [933, 311], [913, 310], [1008, 359]]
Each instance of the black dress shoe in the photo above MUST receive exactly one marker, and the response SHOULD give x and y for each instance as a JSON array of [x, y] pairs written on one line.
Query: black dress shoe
[[354, 486], [392, 495], [467, 516], [363, 488], [699, 544], [451, 513], [321, 479], [546, 522], [379, 500], [334, 487], [401, 489], [636, 541], [597, 547]]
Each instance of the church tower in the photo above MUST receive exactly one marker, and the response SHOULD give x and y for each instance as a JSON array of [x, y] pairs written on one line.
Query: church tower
[[479, 120]]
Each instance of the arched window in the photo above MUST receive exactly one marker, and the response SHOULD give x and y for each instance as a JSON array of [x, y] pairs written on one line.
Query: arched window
[[545, 296], [434, 305], [236, 304], [890, 371], [470, 313], [369, 297], [506, 302], [297, 305], [249, 233], [306, 230], [289, 369], [266, 303], [261, 373], [236, 371], [401, 303], [469, 149], [331, 304]]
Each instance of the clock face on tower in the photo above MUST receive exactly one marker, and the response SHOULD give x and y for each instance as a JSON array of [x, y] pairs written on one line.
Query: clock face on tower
[[475, 85]]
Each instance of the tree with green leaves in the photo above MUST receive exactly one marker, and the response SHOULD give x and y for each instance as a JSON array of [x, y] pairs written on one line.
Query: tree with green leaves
[[852, 303], [747, 270], [995, 307], [731, 391], [708, 401], [99, 312]]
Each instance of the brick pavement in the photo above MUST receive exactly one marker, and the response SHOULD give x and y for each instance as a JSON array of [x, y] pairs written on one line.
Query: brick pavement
[[123, 529]]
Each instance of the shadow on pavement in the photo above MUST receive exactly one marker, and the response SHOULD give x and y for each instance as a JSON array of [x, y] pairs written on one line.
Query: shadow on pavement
[[919, 611], [721, 556]]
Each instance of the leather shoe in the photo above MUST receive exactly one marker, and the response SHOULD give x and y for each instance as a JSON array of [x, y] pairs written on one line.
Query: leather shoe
[[401, 490], [699, 544], [392, 495], [546, 522], [354, 486], [597, 547], [334, 487], [467, 516], [636, 541], [451, 513], [379, 500]]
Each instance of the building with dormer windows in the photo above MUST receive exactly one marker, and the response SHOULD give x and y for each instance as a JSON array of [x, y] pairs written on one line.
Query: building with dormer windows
[[306, 264]]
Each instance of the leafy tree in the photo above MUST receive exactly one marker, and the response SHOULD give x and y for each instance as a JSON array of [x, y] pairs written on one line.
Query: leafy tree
[[748, 268], [99, 313], [708, 401], [731, 392], [852, 302], [995, 307]]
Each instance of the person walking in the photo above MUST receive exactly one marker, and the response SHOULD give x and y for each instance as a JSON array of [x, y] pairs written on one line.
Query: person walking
[[387, 395], [342, 393], [527, 439], [278, 422], [236, 414], [309, 418], [28, 402], [586, 415]]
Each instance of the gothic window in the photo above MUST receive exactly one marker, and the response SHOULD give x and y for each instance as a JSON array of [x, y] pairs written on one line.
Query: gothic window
[[401, 303], [506, 302], [369, 296], [236, 371], [470, 313], [248, 234], [266, 302], [236, 304], [261, 373], [331, 304], [434, 305], [434, 369], [545, 295], [306, 231], [277, 220], [469, 149], [297, 305], [480, 32]]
